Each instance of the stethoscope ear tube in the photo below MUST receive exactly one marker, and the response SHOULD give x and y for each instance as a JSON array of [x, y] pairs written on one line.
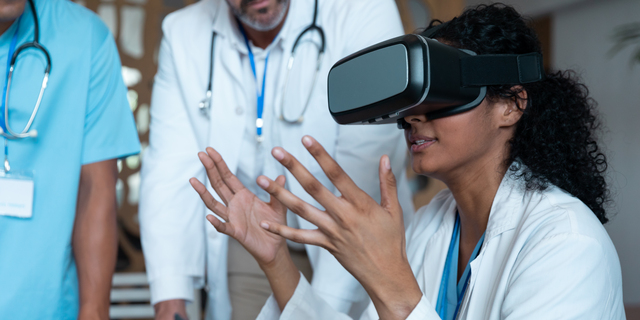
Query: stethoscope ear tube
[[205, 103], [37, 46], [310, 28], [26, 133]]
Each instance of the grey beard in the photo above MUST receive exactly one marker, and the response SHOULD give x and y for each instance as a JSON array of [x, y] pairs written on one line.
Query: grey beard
[[258, 25]]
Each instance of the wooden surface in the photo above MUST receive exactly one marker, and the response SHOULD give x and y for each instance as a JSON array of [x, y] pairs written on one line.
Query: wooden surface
[[542, 26], [438, 9], [633, 312]]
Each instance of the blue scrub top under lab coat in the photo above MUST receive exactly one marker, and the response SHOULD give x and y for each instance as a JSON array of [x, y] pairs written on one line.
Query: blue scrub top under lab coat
[[84, 118]]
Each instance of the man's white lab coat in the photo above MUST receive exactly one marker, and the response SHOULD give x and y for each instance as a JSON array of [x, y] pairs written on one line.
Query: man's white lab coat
[[178, 243], [545, 255]]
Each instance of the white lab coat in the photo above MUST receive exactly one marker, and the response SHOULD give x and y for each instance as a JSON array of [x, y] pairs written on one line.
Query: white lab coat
[[178, 243], [545, 256]]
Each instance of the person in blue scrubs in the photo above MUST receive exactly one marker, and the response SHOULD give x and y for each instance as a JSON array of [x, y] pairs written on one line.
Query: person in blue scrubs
[[57, 263]]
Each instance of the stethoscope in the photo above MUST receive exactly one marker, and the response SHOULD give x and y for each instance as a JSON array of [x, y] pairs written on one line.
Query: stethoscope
[[26, 133], [205, 103], [6, 130]]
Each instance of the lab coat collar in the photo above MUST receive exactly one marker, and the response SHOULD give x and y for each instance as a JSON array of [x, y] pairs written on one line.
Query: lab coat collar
[[505, 214], [509, 196], [502, 216]]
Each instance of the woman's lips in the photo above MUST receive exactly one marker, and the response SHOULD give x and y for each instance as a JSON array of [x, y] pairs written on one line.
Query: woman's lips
[[419, 143]]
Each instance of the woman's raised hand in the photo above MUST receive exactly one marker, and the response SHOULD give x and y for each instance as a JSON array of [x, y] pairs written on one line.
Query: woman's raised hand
[[242, 211], [367, 238]]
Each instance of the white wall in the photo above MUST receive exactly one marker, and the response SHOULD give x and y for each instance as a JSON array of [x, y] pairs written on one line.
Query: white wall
[[582, 40]]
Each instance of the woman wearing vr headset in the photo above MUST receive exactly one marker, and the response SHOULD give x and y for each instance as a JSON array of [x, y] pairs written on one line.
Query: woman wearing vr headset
[[517, 235]]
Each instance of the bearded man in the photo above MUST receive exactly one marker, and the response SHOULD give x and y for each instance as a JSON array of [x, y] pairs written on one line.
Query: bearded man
[[237, 76]]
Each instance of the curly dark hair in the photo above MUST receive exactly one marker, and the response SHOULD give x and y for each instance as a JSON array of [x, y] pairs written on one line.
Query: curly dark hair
[[556, 137]]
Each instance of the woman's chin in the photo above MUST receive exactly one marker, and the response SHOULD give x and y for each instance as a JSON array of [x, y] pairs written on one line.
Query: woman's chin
[[420, 166]]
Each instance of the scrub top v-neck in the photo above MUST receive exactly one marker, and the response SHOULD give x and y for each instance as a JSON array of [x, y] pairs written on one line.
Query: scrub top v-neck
[[451, 290]]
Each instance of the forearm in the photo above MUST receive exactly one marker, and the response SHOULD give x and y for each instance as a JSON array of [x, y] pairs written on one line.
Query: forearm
[[95, 238], [168, 309], [283, 277]]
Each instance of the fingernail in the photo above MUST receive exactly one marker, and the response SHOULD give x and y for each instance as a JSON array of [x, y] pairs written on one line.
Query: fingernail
[[306, 140], [264, 225], [278, 154], [387, 163], [263, 182]]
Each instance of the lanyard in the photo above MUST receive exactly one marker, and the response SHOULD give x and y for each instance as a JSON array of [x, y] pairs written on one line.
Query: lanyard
[[259, 94], [12, 49], [444, 283]]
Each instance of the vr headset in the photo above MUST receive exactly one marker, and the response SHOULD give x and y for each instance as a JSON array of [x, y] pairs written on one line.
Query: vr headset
[[414, 74]]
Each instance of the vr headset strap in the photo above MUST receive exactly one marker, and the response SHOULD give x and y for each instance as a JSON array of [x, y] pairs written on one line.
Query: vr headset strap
[[498, 69]]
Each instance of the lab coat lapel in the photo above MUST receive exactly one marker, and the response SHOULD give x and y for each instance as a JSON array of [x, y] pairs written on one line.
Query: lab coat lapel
[[504, 216], [228, 102], [435, 255], [227, 115], [228, 35]]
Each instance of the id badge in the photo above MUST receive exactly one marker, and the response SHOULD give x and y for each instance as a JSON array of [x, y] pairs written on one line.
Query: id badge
[[16, 194]]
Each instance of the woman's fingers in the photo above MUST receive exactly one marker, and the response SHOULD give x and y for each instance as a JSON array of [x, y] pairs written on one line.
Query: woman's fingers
[[312, 237], [220, 226], [208, 199], [295, 204], [388, 187], [332, 169], [310, 184], [214, 178], [227, 176], [274, 202]]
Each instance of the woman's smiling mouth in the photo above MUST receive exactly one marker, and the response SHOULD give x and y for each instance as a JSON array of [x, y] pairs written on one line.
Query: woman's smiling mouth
[[419, 143]]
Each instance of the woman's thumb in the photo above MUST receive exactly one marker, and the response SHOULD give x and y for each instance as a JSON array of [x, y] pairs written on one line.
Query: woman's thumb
[[388, 187]]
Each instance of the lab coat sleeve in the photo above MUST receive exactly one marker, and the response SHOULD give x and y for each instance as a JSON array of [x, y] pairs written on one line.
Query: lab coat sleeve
[[565, 276], [306, 304], [423, 311], [171, 213]]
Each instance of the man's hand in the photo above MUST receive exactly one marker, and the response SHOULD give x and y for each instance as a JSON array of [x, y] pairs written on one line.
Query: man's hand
[[167, 310]]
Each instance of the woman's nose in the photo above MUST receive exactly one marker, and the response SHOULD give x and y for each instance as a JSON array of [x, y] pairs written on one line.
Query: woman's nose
[[415, 118]]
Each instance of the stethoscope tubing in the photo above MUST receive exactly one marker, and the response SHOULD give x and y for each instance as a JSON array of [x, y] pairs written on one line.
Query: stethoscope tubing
[[204, 103], [10, 133]]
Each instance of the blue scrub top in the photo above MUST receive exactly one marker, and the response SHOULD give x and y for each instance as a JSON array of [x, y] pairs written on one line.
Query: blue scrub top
[[452, 291], [84, 118]]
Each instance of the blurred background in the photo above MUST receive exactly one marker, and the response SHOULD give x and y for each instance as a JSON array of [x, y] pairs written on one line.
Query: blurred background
[[600, 39]]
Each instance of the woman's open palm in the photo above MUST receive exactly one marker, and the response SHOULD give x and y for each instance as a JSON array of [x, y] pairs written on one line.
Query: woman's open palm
[[242, 210]]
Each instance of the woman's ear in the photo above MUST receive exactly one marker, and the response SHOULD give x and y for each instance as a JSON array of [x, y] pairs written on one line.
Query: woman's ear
[[511, 109]]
